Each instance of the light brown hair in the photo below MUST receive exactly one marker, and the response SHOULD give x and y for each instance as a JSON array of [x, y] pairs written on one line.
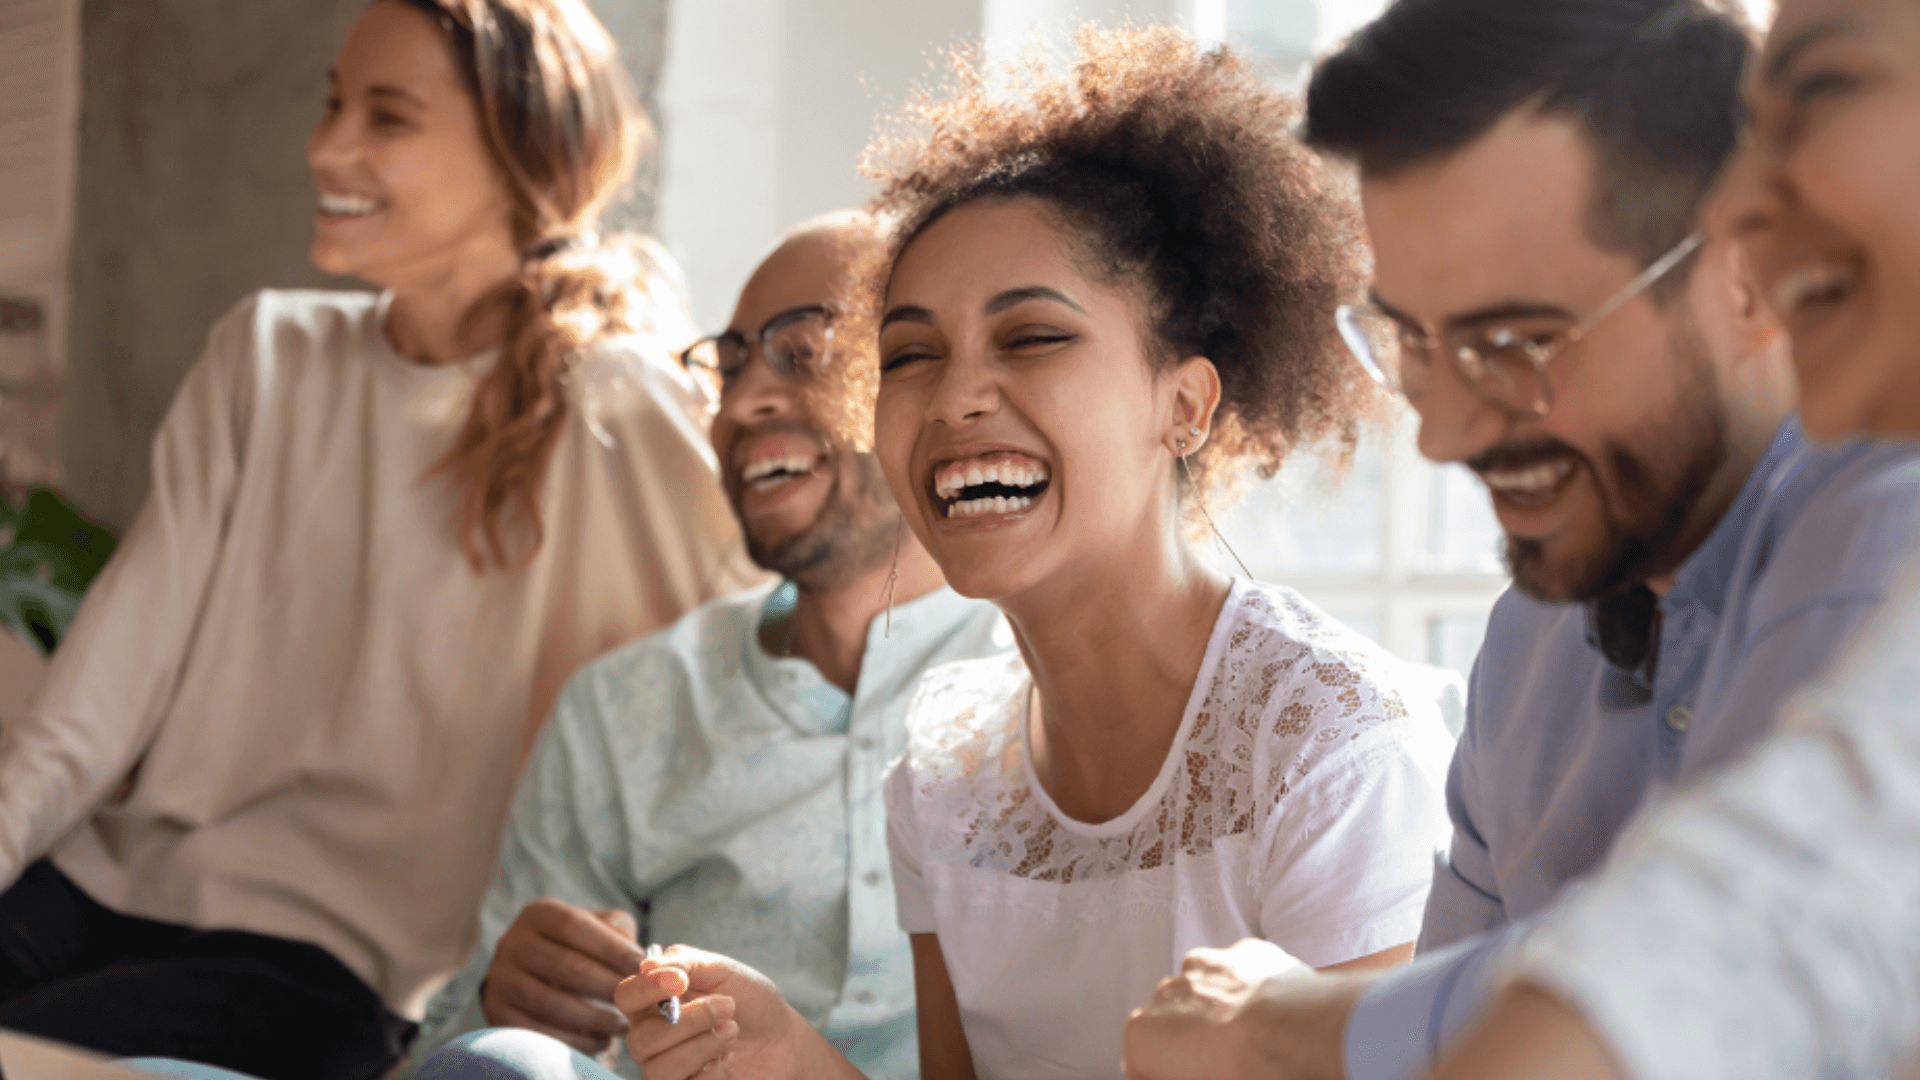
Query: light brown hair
[[563, 125]]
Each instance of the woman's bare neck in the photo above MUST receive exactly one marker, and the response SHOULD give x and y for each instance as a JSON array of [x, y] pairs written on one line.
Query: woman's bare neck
[[1113, 672]]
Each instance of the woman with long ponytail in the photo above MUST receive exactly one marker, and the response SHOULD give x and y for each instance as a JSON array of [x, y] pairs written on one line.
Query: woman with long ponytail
[[250, 818]]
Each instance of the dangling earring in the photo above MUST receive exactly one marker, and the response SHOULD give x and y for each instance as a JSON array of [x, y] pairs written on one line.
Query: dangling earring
[[893, 576], [1201, 498]]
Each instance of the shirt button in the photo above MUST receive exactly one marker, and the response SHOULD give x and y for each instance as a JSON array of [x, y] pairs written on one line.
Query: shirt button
[[1679, 718], [864, 997], [873, 877], [864, 742]]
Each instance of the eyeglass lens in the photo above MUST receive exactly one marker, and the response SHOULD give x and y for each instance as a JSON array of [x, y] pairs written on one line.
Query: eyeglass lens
[[1504, 363], [795, 345]]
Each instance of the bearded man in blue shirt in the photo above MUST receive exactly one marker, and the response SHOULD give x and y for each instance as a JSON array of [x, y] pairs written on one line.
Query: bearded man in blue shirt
[[1531, 174], [719, 784]]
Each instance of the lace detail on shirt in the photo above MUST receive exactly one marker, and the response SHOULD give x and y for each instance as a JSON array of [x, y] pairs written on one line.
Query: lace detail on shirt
[[1290, 687]]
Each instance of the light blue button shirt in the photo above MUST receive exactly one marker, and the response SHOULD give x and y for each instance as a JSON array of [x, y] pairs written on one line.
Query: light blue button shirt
[[1561, 748], [738, 798]]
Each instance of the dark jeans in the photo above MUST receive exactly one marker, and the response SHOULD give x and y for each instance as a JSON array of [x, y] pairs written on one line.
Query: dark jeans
[[73, 971]]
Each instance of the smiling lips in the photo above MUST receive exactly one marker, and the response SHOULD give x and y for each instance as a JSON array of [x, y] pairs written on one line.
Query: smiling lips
[[338, 205], [1811, 288], [1531, 488], [769, 473], [995, 483]]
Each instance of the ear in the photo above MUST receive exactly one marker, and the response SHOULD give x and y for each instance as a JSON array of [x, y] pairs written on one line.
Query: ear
[[1194, 385], [1757, 331]]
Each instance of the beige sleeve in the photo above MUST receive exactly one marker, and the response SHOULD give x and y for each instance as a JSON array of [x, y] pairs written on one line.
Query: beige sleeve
[[639, 504], [113, 677]]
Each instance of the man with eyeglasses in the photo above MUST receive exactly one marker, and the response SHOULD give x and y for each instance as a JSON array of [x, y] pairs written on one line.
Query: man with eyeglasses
[[719, 784], [1531, 173]]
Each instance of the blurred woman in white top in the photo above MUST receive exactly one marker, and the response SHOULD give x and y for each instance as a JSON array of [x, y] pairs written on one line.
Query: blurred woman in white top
[[250, 819], [1108, 291]]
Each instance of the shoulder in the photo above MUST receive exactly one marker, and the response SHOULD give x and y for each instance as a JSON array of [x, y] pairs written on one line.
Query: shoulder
[[274, 337], [1319, 689], [290, 321], [1852, 534], [646, 677], [1280, 648], [1531, 647], [961, 723], [632, 378]]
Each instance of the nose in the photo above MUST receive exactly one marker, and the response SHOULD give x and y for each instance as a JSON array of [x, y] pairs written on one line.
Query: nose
[[966, 390], [758, 395], [1456, 424], [331, 146], [1745, 200]]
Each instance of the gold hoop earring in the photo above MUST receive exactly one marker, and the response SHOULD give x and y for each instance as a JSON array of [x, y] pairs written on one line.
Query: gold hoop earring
[[1200, 498]]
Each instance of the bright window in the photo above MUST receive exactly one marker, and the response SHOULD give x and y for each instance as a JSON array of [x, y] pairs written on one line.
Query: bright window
[[1400, 549]]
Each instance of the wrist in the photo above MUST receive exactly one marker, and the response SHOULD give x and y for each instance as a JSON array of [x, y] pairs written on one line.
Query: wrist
[[1297, 1024]]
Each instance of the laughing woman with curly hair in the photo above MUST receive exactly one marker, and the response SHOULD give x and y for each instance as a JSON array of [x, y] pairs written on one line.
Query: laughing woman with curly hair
[[1108, 291]]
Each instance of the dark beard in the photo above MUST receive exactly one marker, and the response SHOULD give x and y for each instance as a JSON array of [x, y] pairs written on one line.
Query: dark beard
[[1656, 489], [857, 528]]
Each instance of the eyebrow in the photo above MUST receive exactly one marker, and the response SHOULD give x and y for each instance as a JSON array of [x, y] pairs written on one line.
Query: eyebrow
[[1001, 301], [907, 313], [395, 92], [1015, 297], [1805, 39], [1481, 316]]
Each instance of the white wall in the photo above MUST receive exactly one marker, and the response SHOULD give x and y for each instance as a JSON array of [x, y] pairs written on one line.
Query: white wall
[[765, 106]]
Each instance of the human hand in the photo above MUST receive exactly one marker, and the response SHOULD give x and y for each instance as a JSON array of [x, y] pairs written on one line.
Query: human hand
[[555, 969], [733, 1021], [1209, 1020]]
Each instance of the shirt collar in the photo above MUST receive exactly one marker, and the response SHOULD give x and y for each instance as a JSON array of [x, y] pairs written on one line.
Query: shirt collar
[[917, 626], [1703, 579]]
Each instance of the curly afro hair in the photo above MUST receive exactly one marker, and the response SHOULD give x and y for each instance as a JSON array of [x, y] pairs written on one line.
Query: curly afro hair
[[1174, 170]]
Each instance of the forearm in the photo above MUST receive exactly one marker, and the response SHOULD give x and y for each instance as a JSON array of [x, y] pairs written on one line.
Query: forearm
[[814, 1057], [1298, 1025], [1530, 1034]]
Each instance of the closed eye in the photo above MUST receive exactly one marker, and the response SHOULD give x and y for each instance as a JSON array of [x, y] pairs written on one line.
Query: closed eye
[[1031, 341], [1821, 84], [902, 359]]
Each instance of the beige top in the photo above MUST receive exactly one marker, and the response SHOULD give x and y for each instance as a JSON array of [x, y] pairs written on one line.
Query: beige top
[[289, 705]]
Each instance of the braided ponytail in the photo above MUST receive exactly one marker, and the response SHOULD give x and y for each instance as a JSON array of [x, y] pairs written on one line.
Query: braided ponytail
[[561, 121]]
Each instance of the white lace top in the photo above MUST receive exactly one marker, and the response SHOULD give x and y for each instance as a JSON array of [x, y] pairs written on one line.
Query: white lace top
[[1301, 803]]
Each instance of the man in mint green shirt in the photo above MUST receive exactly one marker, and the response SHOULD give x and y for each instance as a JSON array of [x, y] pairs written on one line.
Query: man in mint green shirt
[[719, 784]]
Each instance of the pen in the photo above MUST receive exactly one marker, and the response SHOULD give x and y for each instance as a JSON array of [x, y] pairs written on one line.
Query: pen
[[669, 1008]]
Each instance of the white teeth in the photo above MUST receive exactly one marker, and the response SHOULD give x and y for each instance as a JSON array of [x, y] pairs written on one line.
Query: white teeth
[[1814, 283], [951, 479], [999, 504], [1527, 481], [796, 464], [347, 205]]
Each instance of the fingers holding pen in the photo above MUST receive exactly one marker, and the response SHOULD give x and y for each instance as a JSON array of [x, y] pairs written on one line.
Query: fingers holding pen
[[697, 1044]]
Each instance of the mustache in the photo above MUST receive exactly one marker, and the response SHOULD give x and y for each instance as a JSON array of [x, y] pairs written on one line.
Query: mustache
[[1518, 456]]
